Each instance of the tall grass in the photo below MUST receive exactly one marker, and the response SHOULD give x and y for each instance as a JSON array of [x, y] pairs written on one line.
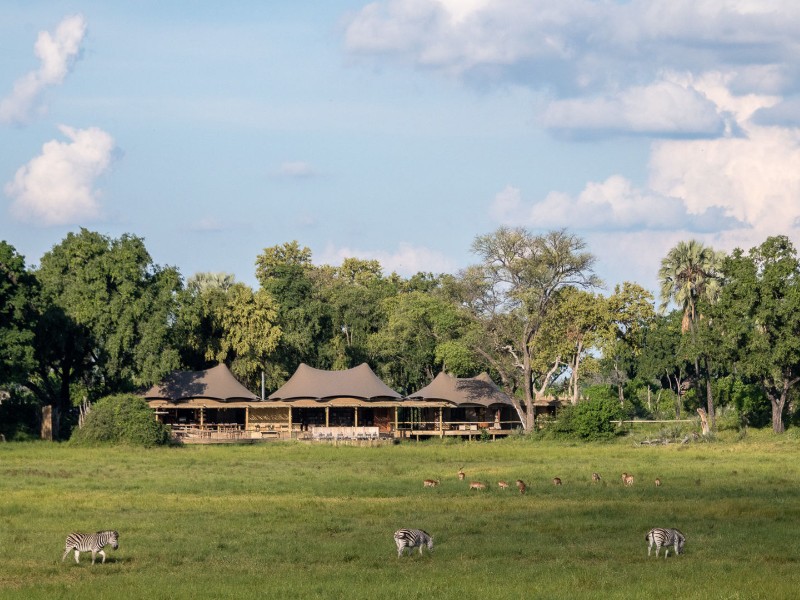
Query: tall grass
[[296, 521]]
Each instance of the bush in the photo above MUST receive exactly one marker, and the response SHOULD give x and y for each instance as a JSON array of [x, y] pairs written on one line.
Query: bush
[[589, 420], [121, 419]]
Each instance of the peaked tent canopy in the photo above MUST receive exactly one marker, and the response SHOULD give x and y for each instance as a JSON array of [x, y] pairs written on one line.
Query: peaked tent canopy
[[468, 391], [217, 383], [315, 384]]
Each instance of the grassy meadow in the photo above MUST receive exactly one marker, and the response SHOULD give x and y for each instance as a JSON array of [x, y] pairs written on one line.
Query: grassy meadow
[[290, 520]]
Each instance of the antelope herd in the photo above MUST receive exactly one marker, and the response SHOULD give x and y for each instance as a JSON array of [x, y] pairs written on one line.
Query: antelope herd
[[627, 480]]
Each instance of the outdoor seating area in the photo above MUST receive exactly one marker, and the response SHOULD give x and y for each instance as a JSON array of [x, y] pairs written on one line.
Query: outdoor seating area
[[344, 433]]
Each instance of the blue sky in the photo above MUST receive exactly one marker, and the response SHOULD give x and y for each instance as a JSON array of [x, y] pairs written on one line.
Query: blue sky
[[399, 129]]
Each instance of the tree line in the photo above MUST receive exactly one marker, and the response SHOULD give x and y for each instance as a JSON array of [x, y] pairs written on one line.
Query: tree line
[[98, 317]]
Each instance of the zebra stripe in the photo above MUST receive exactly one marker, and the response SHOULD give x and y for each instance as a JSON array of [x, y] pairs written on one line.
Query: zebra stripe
[[664, 538], [90, 542], [412, 538]]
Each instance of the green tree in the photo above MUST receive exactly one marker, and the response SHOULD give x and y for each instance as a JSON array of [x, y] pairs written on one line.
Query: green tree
[[689, 275], [510, 294], [105, 320], [758, 315], [354, 293], [286, 273], [18, 289], [630, 313], [423, 334]]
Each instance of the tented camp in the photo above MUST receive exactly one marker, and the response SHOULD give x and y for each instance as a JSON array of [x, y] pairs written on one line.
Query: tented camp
[[212, 400], [314, 398], [470, 404]]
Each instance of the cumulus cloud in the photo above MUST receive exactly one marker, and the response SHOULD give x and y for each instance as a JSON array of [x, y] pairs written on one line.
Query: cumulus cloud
[[58, 186], [665, 108], [406, 260], [57, 53], [602, 65], [613, 205]]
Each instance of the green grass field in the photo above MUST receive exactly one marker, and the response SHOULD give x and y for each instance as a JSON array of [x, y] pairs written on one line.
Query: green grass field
[[287, 520]]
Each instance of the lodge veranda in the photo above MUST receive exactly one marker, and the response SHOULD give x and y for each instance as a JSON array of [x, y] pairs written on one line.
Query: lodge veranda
[[353, 404]]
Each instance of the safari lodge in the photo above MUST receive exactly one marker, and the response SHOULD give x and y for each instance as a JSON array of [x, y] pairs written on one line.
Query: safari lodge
[[212, 406]]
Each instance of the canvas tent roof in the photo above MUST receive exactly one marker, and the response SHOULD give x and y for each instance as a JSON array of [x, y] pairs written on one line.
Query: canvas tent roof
[[217, 383], [468, 391], [316, 384]]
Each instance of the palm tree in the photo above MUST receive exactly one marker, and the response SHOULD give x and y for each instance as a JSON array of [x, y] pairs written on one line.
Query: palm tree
[[689, 273]]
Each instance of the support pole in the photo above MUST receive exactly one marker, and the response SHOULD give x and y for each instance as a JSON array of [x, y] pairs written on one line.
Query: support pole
[[355, 416], [327, 416], [290, 422]]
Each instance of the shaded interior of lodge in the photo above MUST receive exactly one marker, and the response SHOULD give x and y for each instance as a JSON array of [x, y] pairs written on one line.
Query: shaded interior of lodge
[[317, 404]]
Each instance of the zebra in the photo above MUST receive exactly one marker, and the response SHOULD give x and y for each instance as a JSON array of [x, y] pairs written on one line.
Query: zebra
[[660, 537], [412, 538], [90, 542]]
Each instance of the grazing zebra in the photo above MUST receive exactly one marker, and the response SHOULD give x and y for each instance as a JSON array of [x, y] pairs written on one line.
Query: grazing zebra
[[412, 538], [430, 483], [596, 477], [664, 538], [521, 486], [90, 542]]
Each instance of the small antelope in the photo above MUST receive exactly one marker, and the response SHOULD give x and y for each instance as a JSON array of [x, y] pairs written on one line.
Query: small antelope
[[503, 485], [556, 480], [477, 485], [461, 474], [430, 483], [658, 482], [596, 477], [627, 479], [521, 486]]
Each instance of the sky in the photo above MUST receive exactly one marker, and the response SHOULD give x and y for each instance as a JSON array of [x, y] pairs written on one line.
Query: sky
[[399, 130]]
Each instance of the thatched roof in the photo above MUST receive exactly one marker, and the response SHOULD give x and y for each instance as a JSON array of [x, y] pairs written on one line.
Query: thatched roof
[[315, 384], [468, 391], [217, 383]]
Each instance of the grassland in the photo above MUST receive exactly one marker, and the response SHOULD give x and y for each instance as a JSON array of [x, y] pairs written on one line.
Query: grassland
[[286, 520]]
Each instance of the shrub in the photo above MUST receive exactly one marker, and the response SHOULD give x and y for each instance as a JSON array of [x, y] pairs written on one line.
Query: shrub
[[589, 420], [122, 419]]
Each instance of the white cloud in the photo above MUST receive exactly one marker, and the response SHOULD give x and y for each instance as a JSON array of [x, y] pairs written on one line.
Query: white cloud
[[297, 168], [57, 54], [605, 66], [58, 186], [663, 108], [613, 205], [405, 260]]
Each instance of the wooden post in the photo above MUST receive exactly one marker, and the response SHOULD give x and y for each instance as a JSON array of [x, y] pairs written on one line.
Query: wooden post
[[202, 416], [396, 421], [290, 422], [327, 416], [441, 419], [355, 416], [246, 417]]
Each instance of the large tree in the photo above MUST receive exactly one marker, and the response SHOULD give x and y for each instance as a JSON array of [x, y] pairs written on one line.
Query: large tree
[[18, 291], [690, 275], [510, 293], [630, 314], [285, 272], [105, 320], [758, 317]]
